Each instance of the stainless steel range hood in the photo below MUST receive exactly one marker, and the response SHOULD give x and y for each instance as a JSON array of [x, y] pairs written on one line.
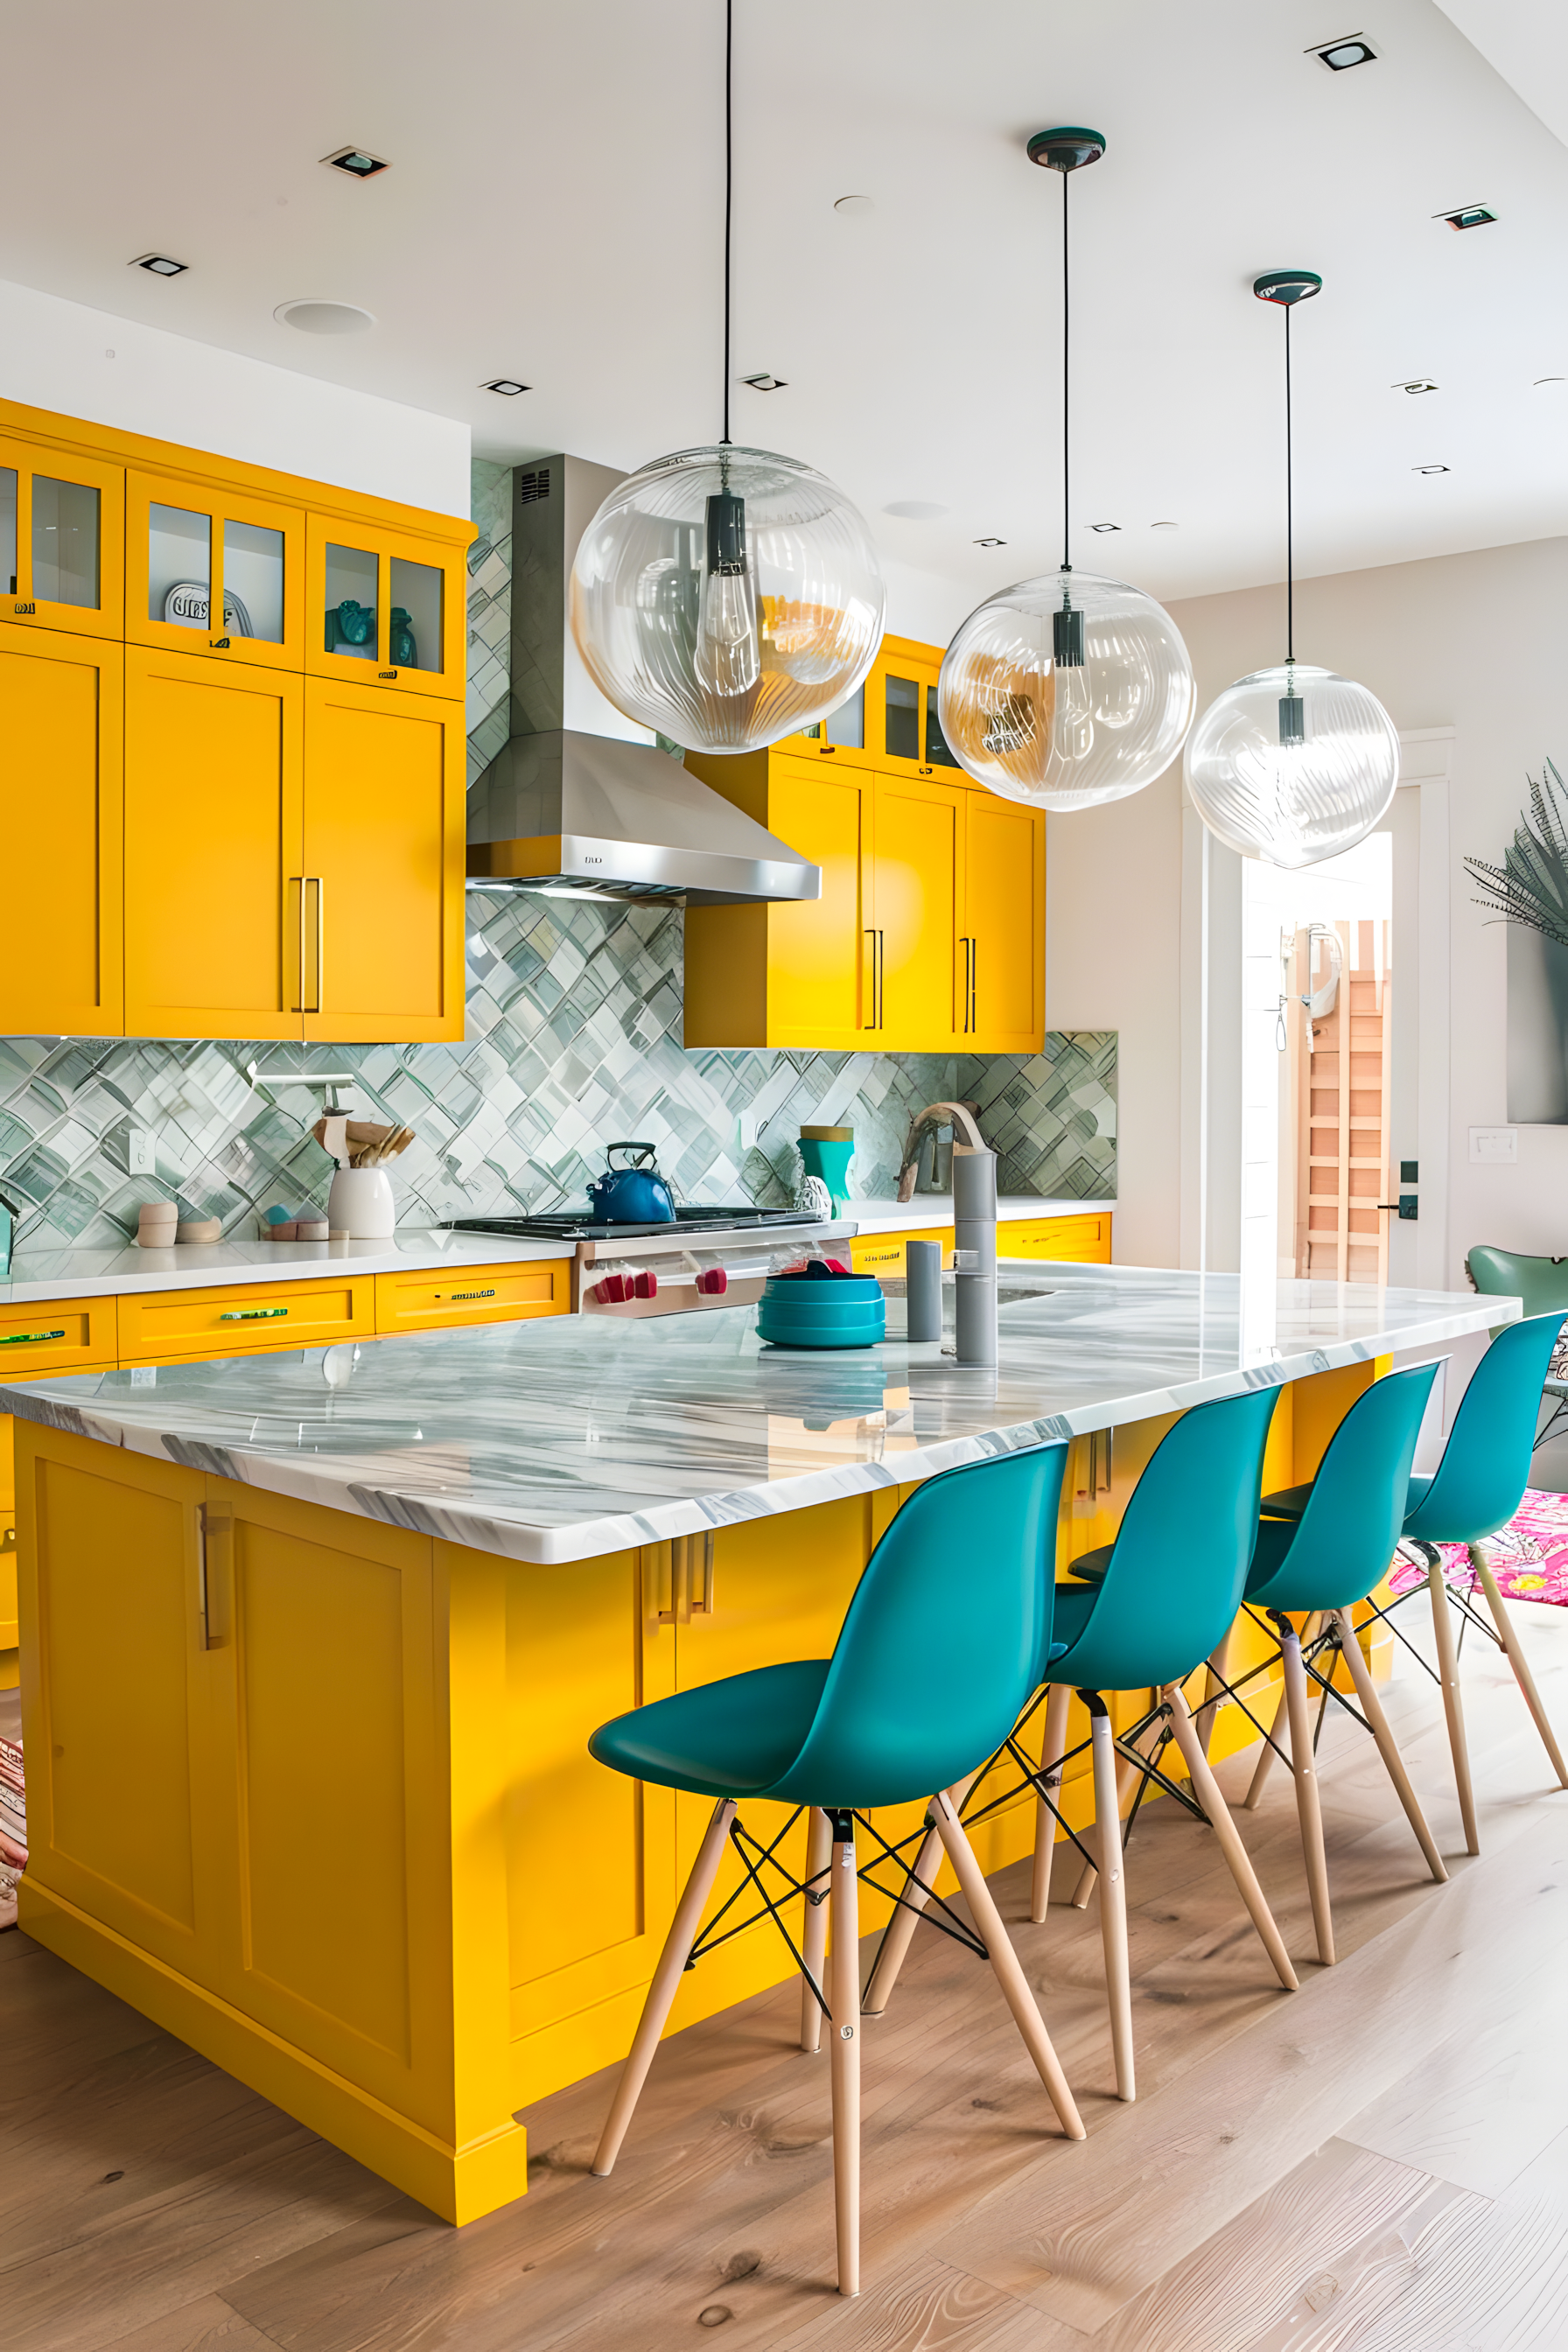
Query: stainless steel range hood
[[574, 799]]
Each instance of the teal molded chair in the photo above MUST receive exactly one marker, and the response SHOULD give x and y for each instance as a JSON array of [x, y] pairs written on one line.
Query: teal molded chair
[[1158, 1603], [939, 1649], [1320, 1566], [1475, 1489], [1541, 1285]]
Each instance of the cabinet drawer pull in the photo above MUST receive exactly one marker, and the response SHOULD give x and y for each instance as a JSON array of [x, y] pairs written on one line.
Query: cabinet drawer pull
[[251, 1314], [211, 1527], [458, 1295], [27, 1339], [685, 1604]]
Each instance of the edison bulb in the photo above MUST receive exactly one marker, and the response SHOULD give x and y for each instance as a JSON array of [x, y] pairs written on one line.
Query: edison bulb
[[1066, 691], [727, 597], [1293, 764]]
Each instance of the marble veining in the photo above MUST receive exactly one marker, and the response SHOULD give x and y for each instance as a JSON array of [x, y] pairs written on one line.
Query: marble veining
[[567, 1438]]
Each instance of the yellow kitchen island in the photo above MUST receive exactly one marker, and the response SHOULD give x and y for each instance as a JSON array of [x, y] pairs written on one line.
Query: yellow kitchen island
[[313, 1644]]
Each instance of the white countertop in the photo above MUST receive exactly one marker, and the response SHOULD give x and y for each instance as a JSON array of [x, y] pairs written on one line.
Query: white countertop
[[936, 1209], [96, 1274], [577, 1435]]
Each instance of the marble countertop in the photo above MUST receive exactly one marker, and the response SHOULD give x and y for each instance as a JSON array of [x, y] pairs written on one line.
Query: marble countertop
[[96, 1274], [936, 1209], [572, 1436], [187, 1266]]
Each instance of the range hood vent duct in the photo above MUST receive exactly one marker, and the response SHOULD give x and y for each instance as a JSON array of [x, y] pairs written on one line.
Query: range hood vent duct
[[573, 801]]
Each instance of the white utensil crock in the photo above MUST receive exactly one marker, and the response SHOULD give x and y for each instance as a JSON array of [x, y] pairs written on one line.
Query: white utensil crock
[[360, 1202]]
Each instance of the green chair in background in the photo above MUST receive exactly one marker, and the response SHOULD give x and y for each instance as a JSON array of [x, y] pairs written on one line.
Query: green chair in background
[[939, 1649], [1542, 1284]]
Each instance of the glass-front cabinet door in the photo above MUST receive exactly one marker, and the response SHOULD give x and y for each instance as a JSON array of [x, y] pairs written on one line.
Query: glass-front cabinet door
[[193, 553], [383, 609], [61, 540]]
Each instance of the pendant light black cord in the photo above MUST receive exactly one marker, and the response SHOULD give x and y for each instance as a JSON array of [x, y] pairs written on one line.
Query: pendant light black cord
[[1289, 510], [729, 182], [1067, 316]]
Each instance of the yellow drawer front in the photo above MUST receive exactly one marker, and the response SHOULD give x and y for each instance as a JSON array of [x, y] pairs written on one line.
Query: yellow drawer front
[[1064, 1237], [161, 1326], [63, 1335], [477, 1293], [884, 1253]]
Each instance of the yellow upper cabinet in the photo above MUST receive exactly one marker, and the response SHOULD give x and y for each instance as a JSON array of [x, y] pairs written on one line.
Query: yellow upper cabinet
[[214, 789], [383, 857], [63, 537], [385, 608], [61, 817], [195, 548], [930, 933], [1001, 943]]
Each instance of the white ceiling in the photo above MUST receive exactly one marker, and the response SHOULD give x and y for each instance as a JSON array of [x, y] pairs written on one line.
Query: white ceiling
[[554, 213]]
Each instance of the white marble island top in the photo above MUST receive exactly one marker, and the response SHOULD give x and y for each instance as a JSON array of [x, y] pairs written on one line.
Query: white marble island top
[[574, 1436]]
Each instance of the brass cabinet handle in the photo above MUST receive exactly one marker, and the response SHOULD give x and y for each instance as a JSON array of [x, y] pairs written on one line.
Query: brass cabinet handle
[[968, 946], [7, 1538], [875, 938], [312, 994], [251, 1314], [212, 1527], [25, 1338], [683, 1603], [296, 883]]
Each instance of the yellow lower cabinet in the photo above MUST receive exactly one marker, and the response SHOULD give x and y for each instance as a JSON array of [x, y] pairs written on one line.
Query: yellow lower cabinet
[[172, 1325], [1087, 1237], [473, 1293], [588, 1856], [884, 1253]]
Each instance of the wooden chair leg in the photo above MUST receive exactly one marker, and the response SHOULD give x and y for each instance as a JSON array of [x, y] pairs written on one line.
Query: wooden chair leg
[[1005, 1963], [1372, 1708], [906, 1918], [1053, 1742], [1126, 1782], [844, 2000], [1206, 1790], [1279, 1732], [1112, 1897], [814, 1932], [1453, 1704], [1279, 1729], [1516, 1659], [666, 1979], [1309, 1807]]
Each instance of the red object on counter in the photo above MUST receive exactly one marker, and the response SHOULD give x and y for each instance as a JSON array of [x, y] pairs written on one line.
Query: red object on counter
[[713, 1282], [610, 1290], [645, 1285]]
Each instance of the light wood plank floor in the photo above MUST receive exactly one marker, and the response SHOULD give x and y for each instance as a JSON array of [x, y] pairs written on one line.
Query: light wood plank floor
[[1378, 2163]]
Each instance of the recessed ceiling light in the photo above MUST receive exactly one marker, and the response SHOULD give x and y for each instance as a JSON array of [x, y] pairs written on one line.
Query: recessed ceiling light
[[1105, 526], [357, 161], [506, 385], [1348, 50], [1431, 470], [1468, 217], [914, 509], [766, 383], [990, 543], [1415, 384], [1163, 526], [852, 203], [317, 318], [160, 264]]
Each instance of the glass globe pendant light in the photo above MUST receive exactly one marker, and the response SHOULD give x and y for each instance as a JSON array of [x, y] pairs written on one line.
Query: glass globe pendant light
[[1068, 690], [727, 597], [1292, 764]]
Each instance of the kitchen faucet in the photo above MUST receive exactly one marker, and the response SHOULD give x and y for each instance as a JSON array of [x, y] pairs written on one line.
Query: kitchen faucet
[[974, 1225]]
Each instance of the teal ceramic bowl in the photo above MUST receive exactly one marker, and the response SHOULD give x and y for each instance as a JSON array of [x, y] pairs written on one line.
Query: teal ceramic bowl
[[795, 1314]]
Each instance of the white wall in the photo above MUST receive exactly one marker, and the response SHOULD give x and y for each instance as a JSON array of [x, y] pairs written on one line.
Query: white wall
[[84, 362], [1473, 641]]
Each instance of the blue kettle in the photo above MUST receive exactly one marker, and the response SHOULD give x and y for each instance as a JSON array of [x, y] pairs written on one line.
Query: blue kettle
[[637, 1195]]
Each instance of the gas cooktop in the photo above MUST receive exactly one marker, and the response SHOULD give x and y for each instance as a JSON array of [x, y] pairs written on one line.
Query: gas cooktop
[[582, 1227]]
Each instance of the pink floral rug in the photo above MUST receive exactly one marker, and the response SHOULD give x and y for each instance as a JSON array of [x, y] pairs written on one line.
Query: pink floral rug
[[1529, 1557]]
